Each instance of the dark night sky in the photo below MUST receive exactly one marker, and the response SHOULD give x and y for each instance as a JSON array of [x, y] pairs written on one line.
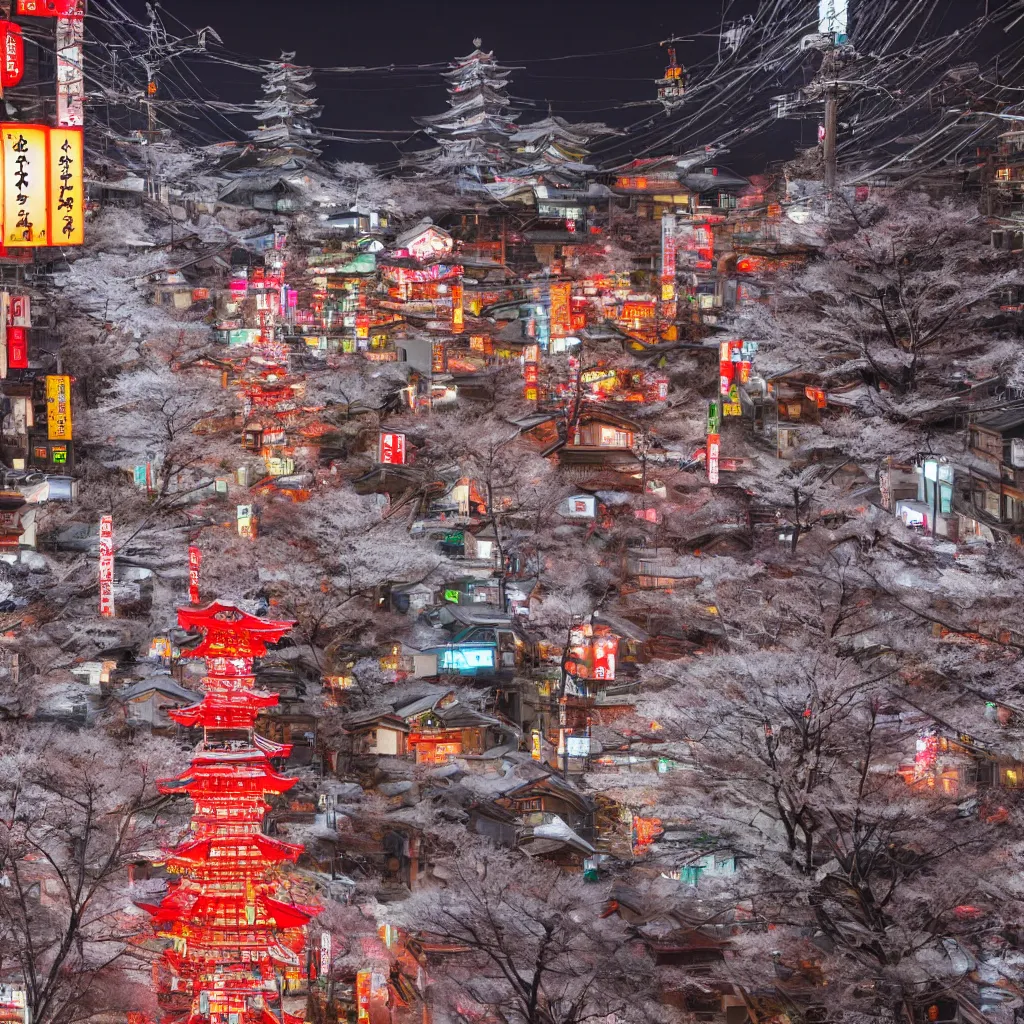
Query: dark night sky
[[539, 38], [331, 33]]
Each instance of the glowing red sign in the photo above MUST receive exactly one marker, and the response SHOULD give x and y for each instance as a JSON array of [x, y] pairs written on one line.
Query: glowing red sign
[[17, 348], [13, 66], [107, 566], [392, 449], [195, 560], [712, 458], [52, 8]]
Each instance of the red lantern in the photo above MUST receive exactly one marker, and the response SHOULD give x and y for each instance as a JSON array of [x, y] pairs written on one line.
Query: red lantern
[[13, 66]]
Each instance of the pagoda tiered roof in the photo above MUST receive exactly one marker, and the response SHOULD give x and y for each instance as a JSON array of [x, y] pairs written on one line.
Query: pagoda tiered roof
[[229, 632], [273, 851], [228, 911], [224, 908], [250, 778], [225, 711]]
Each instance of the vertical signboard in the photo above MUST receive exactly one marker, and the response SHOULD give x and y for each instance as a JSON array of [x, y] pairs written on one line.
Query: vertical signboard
[[458, 314], [561, 309], [363, 983], [20, 314], [17, 348], [58, 407], [712, 457], [25, 185], [66, 195], [246, 521], [392, 449], [70, 74], [107, 566], [668, 257], [325, 952], [13, 66], [195, 560]]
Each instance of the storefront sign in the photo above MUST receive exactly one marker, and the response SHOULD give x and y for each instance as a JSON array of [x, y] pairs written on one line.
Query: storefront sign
[[363, 983], [66, 191], [561, 309], [458, 314], [577, 746], [604, 651], [713, 418], [25, 184], [535, 748], [668, 257], [58, 408], [465, 659], [43, 197], [325, 952], [578, 506], [638, 311], [195, 559], [712, 459], [246, 522], [17, 348], [70, 72], [392, 449], [20, 312], [52, 8], [13, 66], [107, 566]]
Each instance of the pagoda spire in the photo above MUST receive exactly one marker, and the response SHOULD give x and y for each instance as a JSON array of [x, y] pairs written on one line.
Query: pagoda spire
[[286, 112], [472, 134], [232, 937]]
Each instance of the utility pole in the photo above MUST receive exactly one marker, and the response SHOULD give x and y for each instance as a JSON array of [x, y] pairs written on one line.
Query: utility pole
[[831, 130], [833, 43]]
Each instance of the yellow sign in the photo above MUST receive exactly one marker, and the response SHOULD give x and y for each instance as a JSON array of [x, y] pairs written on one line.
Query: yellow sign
[[25, 184], [58, 408], [732, 409], [67, 213], [43, 192], [535, 751]]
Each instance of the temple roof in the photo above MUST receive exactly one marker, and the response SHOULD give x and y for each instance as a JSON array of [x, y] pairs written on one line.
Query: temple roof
[[226, 711], [198, 850], [229, 632], [254, 778]]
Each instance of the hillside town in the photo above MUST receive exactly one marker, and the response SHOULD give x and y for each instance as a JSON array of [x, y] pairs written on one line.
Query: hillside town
[[517, 585]]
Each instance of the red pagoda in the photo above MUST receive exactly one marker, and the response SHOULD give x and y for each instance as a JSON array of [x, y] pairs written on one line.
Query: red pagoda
[[236, 946]]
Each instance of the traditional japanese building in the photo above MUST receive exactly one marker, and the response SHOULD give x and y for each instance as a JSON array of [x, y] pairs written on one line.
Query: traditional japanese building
[[236, 945], [473, 134], [286, 114]]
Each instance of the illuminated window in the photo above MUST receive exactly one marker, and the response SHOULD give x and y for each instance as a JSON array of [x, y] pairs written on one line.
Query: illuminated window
[[614, 438], [1002, 174]]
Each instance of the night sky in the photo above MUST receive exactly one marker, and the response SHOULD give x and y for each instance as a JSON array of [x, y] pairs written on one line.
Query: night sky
[[531, 35], [585, 61]]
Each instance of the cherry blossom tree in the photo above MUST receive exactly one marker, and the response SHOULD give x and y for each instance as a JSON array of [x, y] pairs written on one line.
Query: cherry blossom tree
[[76, 809], [901, 296], [535, 948]]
